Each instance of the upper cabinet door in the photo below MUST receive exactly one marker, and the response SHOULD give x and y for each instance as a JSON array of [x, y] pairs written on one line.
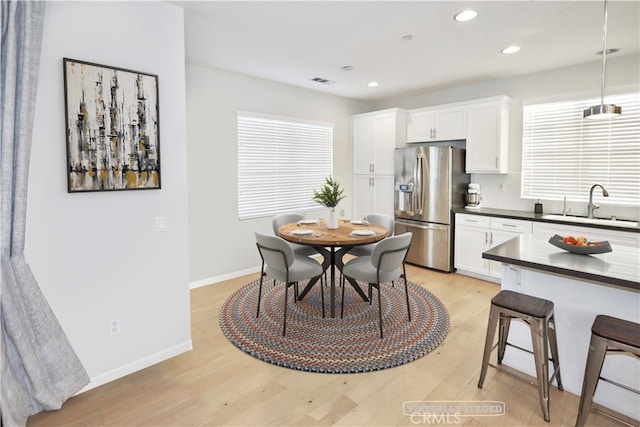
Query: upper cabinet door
[[420, 126], [488, 137], [450, 124], [447, 124], [375, 137], [364, 130]]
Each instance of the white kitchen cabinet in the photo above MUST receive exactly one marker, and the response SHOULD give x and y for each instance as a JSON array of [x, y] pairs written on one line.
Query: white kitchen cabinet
[[471, 239], [375, 136], [372, 194], [440, 124], [475, 234], [488, 136], [624, 238]]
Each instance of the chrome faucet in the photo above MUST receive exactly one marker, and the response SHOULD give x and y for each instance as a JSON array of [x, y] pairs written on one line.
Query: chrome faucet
[[591, 207]]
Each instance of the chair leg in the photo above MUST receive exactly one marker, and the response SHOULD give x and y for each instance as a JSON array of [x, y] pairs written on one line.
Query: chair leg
[[370, 293], [553, 343], [259, 295], [503, 335], [541, 357], [342, 302], [593, 368], [406, 291], [380, 307], [494, 314], [284, 323], [322, 294]]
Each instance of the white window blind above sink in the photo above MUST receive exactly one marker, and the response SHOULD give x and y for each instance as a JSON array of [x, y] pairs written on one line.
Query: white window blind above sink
[[564, 154]]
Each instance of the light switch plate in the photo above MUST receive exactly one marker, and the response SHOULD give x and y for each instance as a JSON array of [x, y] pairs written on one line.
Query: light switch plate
[[161, 224]]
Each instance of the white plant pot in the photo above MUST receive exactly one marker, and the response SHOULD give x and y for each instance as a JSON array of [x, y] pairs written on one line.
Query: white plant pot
[[333, 221]]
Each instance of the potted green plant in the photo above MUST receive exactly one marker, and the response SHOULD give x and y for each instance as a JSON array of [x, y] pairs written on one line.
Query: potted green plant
[[329, 196]]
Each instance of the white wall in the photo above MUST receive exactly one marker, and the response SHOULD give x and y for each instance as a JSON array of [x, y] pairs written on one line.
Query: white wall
[[623, 74], [96, 255], [221, 246]]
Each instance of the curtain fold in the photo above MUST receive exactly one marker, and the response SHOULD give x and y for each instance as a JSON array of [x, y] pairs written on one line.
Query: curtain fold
[[40, 369]]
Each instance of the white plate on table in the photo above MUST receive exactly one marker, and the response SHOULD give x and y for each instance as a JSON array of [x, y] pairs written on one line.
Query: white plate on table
[[362, 233], [302, 232], [358, 222], [307, 221]]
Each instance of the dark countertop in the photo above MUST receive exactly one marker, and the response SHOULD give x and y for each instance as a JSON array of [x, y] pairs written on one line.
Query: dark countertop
[[513, 214], [619, 267]]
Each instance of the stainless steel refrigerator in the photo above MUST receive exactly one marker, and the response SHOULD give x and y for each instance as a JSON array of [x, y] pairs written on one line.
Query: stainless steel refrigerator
[[429, 183]]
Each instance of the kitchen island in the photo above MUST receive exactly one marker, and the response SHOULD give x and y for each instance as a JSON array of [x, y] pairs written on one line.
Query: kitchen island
[[581, 287]]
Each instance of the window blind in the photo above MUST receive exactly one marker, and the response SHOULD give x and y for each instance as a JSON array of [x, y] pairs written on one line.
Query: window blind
[[564, 154], [280, 162]]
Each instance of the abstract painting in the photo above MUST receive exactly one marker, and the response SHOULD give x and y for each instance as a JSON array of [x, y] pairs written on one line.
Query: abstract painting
[[112, 128]]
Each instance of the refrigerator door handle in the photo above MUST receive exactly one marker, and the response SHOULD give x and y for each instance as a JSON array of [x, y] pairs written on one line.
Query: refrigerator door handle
[[418, 194], [423, 226]]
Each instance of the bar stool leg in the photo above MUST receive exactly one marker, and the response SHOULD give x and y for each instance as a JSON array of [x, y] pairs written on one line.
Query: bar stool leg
[[554, 351], [595, 360], [503, 334], [541, 354], [494, 315]]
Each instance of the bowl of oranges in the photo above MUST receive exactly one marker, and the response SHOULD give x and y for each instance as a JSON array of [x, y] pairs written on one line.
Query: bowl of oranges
[[580, 245]]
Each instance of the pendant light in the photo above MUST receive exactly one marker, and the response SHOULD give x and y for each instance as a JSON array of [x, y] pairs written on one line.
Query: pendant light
[[603, 111]]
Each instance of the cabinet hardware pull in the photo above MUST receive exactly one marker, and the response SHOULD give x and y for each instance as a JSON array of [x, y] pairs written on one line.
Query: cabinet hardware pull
[[510, 225], [486, 238]]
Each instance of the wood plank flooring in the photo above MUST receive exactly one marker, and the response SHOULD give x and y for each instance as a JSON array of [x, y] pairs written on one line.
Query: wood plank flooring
[[216, 384]]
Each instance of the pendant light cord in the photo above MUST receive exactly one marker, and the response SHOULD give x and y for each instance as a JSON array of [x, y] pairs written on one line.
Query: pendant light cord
[[604, 52]]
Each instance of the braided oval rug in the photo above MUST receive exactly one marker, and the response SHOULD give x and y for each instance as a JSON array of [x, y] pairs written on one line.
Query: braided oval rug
[[327, 345]]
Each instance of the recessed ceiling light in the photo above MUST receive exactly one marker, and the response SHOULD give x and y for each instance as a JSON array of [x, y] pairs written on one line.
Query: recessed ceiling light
[[465, 15], [347, 68], [510, 49], [373, 84], [407, 37]]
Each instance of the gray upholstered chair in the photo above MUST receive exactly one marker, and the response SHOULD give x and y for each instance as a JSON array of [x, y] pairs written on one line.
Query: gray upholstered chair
[[280, 263], [385, 264], [386, 221], [281, 219]]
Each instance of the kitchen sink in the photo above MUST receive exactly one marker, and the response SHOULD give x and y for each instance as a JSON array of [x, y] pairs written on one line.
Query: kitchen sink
[[584, 220]]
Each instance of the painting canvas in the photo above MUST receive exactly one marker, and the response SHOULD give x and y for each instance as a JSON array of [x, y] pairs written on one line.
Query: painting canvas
[[112, 128]]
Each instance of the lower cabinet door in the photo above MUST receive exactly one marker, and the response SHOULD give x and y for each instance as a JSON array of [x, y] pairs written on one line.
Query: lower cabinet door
[[470, 242], [372, 194]]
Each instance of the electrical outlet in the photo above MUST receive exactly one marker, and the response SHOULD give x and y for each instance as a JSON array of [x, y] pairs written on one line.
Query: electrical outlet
[[114, 326]]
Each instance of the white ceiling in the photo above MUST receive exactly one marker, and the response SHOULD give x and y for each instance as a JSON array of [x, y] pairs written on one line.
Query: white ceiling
[[293, 42]]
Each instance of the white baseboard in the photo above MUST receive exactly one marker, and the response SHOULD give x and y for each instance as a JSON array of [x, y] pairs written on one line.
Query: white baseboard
[[223, 277], [137, 365], [228, 276], [478, 276]]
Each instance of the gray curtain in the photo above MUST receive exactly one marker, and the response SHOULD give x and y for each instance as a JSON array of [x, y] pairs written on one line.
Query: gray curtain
[[40, 370]]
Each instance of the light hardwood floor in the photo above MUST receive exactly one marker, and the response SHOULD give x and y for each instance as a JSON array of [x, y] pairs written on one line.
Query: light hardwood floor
[[216, 384]]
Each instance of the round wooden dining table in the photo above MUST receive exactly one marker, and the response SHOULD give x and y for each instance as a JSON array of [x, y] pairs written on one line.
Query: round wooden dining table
[[332, 244]]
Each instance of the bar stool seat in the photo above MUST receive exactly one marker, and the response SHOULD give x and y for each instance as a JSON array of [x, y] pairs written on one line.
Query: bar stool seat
[[608, 334], [538, 314]]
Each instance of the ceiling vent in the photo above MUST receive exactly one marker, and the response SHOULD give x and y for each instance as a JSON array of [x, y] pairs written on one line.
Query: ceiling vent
[[321, 80]]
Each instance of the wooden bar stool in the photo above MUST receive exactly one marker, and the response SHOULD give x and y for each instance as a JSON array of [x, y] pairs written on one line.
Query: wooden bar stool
[[608, 334], [538, 314]]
